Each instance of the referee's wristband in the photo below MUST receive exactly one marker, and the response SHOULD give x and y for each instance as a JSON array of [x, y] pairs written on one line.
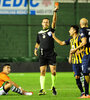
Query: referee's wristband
[[36, 48]]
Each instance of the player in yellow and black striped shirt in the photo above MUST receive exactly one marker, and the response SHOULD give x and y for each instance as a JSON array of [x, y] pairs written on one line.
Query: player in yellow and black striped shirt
[[74, 42], [85, 43], [75, 59]]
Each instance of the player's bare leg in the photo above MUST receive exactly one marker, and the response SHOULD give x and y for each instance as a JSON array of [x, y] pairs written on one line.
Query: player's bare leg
[[42, 79], [53, 77], [19, 90]]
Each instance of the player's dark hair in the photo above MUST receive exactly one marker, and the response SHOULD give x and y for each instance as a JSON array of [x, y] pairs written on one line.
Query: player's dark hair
[[76, 28], [5, 65], [46, 18]]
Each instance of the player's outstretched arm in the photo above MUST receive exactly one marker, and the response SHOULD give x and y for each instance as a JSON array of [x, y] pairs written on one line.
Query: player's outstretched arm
[[57, 40], [55, 16]]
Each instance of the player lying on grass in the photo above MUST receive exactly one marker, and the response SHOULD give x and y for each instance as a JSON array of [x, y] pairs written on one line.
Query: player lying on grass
[[7, 84]]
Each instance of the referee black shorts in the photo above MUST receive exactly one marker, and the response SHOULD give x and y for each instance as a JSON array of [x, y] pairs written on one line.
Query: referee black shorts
[[49, 58]]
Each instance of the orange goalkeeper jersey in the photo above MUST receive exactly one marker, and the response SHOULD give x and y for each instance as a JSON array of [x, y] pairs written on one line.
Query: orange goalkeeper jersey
[[3, 78]]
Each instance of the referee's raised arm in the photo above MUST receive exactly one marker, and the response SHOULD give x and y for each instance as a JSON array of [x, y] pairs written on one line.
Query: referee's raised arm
[[54, 17]]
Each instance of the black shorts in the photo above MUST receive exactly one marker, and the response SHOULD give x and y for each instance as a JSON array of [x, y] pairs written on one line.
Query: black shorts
[[48, 58]]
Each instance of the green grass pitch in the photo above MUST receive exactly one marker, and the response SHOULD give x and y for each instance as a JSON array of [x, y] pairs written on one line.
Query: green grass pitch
[[65, 85]]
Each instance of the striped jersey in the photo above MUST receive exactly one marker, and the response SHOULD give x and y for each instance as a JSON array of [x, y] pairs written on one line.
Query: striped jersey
[[74, 43]]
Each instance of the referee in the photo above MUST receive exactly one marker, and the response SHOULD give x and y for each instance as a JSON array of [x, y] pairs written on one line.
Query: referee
[[47, 54]]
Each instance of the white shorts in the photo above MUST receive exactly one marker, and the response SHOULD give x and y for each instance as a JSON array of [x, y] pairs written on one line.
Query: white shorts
[[2, 92]]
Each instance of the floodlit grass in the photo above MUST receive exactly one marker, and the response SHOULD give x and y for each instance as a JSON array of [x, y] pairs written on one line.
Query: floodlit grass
[[65, 85]]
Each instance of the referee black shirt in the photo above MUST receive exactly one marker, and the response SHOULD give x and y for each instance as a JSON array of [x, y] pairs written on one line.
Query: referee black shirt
[[44, 38]]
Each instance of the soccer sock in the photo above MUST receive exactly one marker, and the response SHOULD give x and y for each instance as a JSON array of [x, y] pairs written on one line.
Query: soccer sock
[[79, 84], [82, 80], [86, 84], [42, 82], [53, 77], [17, 90]]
